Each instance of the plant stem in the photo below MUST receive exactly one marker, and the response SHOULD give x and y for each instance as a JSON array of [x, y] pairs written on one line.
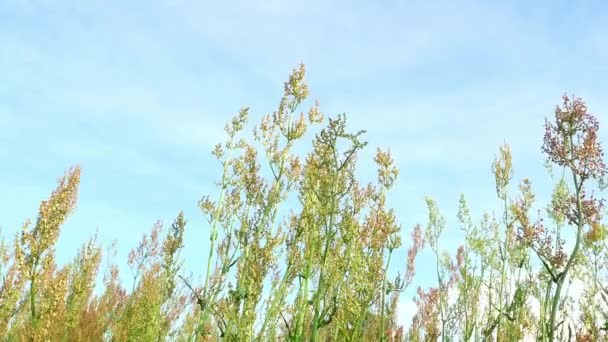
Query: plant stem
[[382, 332], [579, 232]]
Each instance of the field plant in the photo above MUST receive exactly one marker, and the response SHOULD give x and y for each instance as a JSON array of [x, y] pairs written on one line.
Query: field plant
[[302, 249]]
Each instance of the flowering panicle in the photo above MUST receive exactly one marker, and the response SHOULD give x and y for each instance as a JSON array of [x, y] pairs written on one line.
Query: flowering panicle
[[503, 170], [571, 141]]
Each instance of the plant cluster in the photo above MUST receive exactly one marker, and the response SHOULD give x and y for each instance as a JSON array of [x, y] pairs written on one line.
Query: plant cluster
[[300, 250]]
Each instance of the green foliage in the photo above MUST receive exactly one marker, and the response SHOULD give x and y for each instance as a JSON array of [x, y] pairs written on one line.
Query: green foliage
[[300, 249]]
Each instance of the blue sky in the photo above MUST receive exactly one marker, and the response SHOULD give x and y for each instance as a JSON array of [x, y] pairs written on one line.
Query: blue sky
[[137, 92]]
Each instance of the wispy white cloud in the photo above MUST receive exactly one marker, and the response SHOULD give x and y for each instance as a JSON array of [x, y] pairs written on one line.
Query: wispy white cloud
[[345, 39]]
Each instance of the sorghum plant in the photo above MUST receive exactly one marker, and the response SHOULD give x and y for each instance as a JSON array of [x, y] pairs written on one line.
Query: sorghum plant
[[446, 272], [469, 286], [300, 250], [571, 142], [343, 230], [35, 264], [156, 301]]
